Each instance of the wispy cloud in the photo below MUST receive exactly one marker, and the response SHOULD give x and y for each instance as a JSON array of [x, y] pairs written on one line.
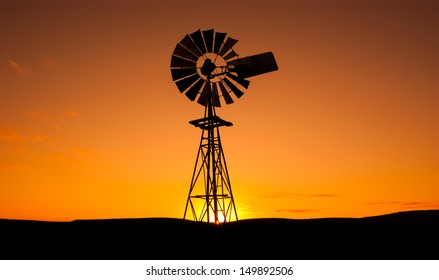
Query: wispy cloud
[[296, 195], [9, 135], [10, 166], [296, 210], [18, 68], [17, 149], [13, 136], [43, 116], [48, 131], [38, 138], [385, 202], [406, 204], [49, 62], [50, 118], [71, 114]]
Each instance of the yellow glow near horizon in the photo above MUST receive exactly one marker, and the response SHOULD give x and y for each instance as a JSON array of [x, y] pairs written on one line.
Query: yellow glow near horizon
[[221, 218]]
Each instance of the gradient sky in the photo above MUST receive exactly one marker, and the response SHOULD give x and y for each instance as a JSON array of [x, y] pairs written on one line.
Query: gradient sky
[[92, 125]]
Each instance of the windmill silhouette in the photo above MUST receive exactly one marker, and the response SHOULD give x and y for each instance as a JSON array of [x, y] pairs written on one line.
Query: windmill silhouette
[[205, 68]]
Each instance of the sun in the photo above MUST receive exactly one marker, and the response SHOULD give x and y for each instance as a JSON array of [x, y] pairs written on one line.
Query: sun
[[221, 217]]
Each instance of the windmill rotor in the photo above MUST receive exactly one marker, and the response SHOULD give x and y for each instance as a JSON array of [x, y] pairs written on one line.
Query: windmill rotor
[[207, 57]]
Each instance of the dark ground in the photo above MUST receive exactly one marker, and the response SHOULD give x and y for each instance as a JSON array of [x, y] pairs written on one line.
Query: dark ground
[[412, 235]]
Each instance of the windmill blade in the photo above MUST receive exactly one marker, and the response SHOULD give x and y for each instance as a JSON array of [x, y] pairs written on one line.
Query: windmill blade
[[243, 82], [204, 95], [184, 53], [215, 97], [182, 73], [181, 62], [198, 40], [193, 91], [230, 55], [219, 39], [183, 84], [190, 45], [233, 88], [225, 93], [230, 42], [208, 39], [253, 65]]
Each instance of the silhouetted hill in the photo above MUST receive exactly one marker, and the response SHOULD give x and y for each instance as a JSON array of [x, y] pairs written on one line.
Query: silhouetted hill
[[402, 235]]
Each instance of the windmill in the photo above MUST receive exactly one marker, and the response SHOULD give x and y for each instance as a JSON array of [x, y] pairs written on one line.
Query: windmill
[[206, 69]]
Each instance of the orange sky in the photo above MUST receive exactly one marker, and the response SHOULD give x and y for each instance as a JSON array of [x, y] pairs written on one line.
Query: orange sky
[[92, 125]]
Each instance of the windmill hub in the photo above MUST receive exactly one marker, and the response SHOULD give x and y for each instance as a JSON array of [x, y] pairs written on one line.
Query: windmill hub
[[208, 67], [211, 67]]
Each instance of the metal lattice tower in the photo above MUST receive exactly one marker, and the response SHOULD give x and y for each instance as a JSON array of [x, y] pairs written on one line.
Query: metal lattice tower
[[217, 202], [205, 68]]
